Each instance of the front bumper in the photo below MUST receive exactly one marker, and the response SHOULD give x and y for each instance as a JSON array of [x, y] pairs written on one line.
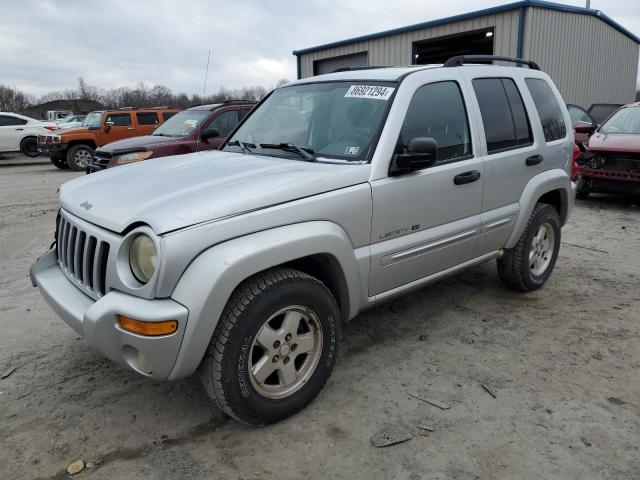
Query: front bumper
[[56, 149], [600, 180], [153, 357]]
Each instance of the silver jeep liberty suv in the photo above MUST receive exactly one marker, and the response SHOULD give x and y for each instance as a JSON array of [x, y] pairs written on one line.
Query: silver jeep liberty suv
[[336, 193]]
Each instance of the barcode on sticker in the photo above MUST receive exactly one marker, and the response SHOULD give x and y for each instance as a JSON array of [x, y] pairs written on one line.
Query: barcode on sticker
[[369, 91]]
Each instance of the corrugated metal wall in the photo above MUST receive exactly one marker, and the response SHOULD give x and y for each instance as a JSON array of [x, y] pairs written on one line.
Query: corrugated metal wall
[[590, 61], [397, 49]]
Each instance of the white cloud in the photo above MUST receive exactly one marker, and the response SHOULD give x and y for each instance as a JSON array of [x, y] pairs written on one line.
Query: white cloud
[[46, 44]]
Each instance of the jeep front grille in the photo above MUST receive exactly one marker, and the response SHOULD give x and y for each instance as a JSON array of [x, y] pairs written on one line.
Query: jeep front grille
[[82, 256]]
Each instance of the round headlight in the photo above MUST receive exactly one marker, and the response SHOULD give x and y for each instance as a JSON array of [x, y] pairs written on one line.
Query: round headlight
[[143, 258]]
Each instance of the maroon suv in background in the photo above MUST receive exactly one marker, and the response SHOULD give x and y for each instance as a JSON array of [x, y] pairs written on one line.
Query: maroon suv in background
[[198, 128], [611, 162]]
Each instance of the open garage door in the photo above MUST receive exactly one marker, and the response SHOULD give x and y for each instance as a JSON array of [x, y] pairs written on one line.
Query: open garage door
[[440, 49], [329, 65]]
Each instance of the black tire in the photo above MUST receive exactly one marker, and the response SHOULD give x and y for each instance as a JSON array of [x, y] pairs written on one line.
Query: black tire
[[75, 154], [29, 147], [514, 266], [582, 192], [224, 371], [58, 161]]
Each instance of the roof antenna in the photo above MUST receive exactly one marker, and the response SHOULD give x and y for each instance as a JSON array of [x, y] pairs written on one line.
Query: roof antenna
[[204, 89]]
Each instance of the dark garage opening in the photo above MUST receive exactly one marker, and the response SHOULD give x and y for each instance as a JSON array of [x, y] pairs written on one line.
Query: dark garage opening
[[439, 50]]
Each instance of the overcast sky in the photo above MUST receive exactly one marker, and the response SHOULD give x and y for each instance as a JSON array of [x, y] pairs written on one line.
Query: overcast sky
[[46, 44]]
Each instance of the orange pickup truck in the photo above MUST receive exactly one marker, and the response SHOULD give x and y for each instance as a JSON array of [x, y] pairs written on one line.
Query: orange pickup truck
[[74, 148]]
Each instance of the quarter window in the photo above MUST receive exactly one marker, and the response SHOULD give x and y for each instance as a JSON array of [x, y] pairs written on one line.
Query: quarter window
[[437, 110], [548, 109], [149, 118], [119, 120], [506, 125]]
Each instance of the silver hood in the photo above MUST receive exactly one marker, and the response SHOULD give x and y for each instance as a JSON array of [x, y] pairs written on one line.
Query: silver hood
[[175, 192]]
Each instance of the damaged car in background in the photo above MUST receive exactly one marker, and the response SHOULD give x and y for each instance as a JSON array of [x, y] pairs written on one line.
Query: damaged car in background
[[611, 162]]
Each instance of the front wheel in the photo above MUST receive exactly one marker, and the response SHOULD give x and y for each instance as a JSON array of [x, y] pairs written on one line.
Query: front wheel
[[528, 265], [79, 157], [274, 347]]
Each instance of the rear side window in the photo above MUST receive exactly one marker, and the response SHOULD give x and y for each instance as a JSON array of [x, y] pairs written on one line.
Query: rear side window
[[437, 111], [506, 125], [149, 118], [8, 121], [548, 109], [119, 119]]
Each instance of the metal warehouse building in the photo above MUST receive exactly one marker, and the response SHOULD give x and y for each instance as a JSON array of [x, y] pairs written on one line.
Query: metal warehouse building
[[591, 58]]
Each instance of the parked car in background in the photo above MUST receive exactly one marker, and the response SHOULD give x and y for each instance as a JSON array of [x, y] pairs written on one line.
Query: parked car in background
[[71, 121], [579, 116], [19, 133], [611, 162], [74, 148], [336, 193], [199, 128], [601, 111]]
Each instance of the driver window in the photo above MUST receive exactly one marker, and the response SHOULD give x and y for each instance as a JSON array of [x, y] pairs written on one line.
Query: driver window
[[225, 122], [437, 110]]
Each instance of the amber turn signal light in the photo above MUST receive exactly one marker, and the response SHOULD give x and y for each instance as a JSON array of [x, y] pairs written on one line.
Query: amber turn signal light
[[150, 329]]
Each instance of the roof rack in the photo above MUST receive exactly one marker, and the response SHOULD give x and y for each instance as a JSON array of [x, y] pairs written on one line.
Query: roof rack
[[227, 102], [460, 60], [352, 69]]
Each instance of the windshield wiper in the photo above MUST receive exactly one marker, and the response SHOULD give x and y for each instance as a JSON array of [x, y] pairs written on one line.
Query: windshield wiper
[[246, 147], [306, 153]]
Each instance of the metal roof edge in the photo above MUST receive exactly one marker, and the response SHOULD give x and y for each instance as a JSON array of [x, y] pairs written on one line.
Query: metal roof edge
[[478, 13]]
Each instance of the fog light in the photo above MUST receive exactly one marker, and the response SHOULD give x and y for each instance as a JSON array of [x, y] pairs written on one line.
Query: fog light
[[150, 329], [145, 365]]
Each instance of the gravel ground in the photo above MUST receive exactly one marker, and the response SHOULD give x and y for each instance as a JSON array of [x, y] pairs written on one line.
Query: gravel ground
[[563, 363]]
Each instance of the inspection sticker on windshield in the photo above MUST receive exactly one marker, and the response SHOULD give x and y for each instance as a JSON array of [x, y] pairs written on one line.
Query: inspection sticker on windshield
[[369, 91]]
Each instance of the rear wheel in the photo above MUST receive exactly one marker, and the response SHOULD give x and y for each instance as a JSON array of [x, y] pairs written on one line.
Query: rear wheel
[[528, 265], [29, 147], [274, 347], [79, 157]]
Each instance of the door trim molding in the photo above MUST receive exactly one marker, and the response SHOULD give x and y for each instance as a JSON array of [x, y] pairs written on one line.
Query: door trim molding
[[420, 249]]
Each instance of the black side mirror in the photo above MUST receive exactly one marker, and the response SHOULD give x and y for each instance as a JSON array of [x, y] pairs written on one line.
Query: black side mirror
[[584, 127], [422, 152], [209, 133]]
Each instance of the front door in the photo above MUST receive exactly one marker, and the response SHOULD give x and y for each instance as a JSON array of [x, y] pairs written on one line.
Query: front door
[[225, 121], [117, 126], [428, 221]]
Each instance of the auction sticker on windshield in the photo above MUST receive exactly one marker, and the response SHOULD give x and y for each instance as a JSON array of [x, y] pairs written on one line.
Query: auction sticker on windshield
[[369, 91]]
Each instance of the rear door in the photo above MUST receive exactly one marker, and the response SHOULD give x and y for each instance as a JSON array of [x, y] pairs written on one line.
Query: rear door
[[118, 126], [428, 221], [509, 151], [146, 122]]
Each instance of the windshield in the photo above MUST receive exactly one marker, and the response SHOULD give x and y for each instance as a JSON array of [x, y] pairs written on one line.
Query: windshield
[[182, 123], [577, 114], [339, 120], [92, 120], [626, 120]]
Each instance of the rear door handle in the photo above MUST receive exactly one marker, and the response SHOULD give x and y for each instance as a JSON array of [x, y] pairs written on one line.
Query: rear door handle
[[131, 128], [534, 160], [19, 129], [466, 177]]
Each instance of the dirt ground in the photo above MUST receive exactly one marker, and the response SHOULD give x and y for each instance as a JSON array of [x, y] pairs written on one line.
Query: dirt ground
[[563, 363]]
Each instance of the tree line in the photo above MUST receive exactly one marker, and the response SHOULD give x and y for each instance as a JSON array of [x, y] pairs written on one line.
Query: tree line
[[141, 95]]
